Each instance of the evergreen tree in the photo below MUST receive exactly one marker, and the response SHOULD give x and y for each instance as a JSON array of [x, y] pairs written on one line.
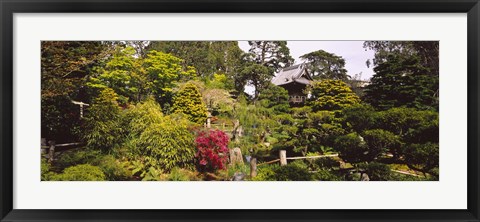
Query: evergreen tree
[[402, 81], [189, 102], [325, 65], [272, 54]]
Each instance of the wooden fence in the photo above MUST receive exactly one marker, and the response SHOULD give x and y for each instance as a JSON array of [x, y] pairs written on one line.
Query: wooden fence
[[283, 161], [52, 147]]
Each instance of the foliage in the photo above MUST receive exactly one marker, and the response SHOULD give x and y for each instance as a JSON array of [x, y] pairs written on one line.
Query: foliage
[[102, 122], [45, 168], [275, 97], [218, 100], [76, 157], [352, 148], [427, 51], [257, 75], [206, 56], [305, 131], [164, 71], [66, 63], [266, 173], [326, 175], [423, 157], [413, 126], [325, 65], [402, 81], [158, 141], [114, 169], [60, 119], [380, 141], [322, 163], [360, 117], [212, 150], [377, 171], [178, 174], [82, 172], [293, 171], [331, 95], [272, 54], [124, 74], [189, 102], [64, 67], [218, 81]]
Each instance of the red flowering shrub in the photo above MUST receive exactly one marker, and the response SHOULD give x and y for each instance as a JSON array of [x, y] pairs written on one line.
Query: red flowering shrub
[[212, 150]]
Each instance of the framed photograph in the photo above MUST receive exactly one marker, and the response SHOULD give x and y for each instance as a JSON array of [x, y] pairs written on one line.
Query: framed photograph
[[237, 110]]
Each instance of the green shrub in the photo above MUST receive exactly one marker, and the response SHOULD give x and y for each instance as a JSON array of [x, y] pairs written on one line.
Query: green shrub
[[351, 148], [45, 167], [266, 173], [380, 141], [76, 157], [323, 163], [325, 175], [331, 95], [189, 102], [423, 157], [82, 172], [178, 174], [294, 171], [377, 171], [102, 122], [158, 141], [114, 169]]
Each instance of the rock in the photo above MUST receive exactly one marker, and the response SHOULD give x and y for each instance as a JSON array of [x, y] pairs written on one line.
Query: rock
[[238, 176], [236, 157], [365, 177]]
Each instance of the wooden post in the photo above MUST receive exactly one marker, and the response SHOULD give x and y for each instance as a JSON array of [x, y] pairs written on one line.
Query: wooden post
[[283, 157], [51, 151], [81, 104], [43, 142], [253, 167]]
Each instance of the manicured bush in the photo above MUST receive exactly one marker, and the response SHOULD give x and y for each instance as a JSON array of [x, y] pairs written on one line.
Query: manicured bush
[[212, 150], [380, 141], [82, 172], [331, 95], [189, 102], [352, 148]]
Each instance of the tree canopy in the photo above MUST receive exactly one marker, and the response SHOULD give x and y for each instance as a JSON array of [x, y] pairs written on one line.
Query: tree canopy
[[325, 65]]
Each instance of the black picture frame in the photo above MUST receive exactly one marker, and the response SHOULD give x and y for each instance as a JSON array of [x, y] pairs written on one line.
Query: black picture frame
[[9, 7]]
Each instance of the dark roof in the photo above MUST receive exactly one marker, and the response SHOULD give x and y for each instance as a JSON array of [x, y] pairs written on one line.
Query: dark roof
[[297, 73]]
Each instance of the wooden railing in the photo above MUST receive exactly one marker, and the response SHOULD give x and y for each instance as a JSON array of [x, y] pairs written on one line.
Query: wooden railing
[[52, 147], [283, 161]]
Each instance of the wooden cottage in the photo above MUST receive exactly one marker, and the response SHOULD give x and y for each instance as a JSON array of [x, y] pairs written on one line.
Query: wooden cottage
[[294, 79]]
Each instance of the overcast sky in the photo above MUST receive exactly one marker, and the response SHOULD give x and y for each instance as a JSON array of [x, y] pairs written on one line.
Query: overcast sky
[[352, 51]]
